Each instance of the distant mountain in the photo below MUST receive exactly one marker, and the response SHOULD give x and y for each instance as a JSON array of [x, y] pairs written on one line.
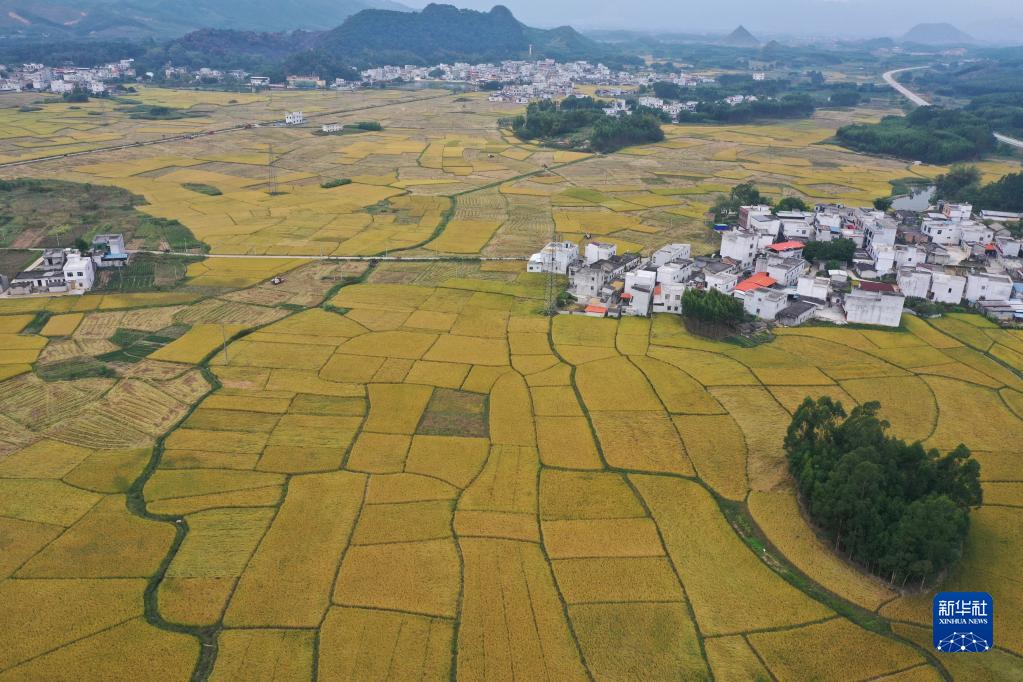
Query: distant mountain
[[168, 18], [439, 33], [936, 34], [740, 37], [444, 33]]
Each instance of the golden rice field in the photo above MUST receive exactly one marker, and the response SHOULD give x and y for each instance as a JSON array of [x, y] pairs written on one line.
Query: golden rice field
[[417, 475], [439, 178]]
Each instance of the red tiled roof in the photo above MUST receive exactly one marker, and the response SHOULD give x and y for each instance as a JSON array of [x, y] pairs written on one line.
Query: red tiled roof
[[786, 246], [756, 281], [596, 309], [876, 286], [626, 296]]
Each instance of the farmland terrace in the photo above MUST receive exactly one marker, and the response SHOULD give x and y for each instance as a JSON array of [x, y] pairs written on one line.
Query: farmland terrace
[[411, 450], [403, 469]]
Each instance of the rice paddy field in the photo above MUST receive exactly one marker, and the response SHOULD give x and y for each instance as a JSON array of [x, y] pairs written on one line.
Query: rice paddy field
[[415, 474], [440, 178], [402, 469]]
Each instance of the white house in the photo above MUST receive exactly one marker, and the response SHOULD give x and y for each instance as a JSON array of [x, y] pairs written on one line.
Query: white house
[[814, 287], [884, 258], [796, 224], [680, 270], [784, 269], [983, 286], [971, 232], [947, 288], [554, 257], [766, 224], [907, 255], [639, 291], [940, 230], [874, 307], [915, 282], [746, 212], [740, 245], [670, 252], [724, 281], [79, 273], [879, 231], [668, 297], [332, 127], [765, 302], [957, 212], [294, 118], [596, 251]]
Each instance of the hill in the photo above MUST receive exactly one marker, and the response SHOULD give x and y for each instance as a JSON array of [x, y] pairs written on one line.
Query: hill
[[439, 33], [155, 19], [936, 34], [740, 37], [445, 33]]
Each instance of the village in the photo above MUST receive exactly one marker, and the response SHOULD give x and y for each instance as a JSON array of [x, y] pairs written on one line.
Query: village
[[510, 81], [945, 255]]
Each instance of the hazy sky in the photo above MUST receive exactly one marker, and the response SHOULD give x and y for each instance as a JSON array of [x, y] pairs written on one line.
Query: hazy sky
[[997, 19]]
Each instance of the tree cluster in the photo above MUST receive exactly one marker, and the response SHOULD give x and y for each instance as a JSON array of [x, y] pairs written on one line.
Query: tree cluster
[[743, 194], [787, 106], [929, 134], [711, 306], [840, 250], [895, 508], [963, 183], [549, 120]]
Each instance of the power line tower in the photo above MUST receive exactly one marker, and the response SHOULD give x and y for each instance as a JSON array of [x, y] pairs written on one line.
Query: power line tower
[[550, 261], [271, 171]]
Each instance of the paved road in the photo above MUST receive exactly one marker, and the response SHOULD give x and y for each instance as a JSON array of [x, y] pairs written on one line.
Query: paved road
[[1011, 141], [338, 258], [889, 78], [321, 256]]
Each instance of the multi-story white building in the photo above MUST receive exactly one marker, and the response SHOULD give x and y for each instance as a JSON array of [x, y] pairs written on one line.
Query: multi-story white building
[[785, 269], [597, 251], [874, 307], [554, 257], [984, 286], [670, 252], [668, 297], [740, 245], [79, 272], [946, 288], [817, 288], [639, 291], [294, 118]]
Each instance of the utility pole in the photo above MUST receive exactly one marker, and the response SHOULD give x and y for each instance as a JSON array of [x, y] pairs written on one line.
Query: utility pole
[[223, 334], [271, 171]]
